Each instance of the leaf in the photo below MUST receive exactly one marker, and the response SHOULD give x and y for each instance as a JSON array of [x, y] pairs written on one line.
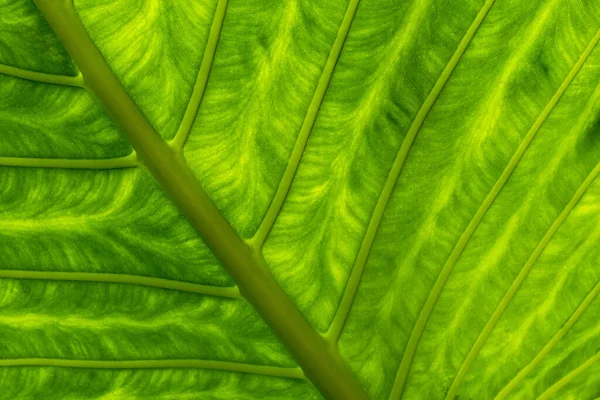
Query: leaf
[[420, 177]]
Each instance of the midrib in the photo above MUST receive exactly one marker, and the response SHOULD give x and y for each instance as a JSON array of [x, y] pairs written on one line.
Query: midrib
[[320, 362]]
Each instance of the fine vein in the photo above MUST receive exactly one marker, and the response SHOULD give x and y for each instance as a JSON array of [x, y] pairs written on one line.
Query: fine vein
[[128, 161], [305, 131], [229, 292], [518, 281], [427, 309], [343, 311], [550, 393], [63, 80], [202, 79], [324, 367], [294, 373]]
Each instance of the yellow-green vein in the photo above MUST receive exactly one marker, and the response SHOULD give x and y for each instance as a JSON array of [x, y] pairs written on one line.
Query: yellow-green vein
[[63, 80], [282, 372], [207, 59], [339, 320], [170, 284], [309, 120], [427, 309]]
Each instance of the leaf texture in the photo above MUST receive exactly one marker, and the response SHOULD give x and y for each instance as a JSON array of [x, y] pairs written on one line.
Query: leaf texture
[[419, 177]]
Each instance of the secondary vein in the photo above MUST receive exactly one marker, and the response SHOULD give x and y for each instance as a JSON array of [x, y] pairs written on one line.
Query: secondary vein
[[128, 161], [170, 284], [343, 311], [282, 372], [197, 94], [309, 120], [431, 301], [63, 80]]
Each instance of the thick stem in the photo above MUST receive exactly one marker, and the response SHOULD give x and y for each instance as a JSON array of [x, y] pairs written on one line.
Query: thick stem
[[320, 362]]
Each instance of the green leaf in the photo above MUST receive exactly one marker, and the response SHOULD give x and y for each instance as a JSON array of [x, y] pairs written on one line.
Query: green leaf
[[417, 179]]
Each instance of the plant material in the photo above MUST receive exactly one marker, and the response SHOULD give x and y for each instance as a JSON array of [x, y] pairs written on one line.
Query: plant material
[[268, 199]]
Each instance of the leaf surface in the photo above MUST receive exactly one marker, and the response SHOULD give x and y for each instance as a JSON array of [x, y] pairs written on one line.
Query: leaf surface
[[419, 176]]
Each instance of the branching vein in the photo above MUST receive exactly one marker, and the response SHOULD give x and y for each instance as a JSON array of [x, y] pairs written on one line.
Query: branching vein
[[305, 131], [202, 79], [353, 282], [431, 301], [128, 161], [282, 372], [63, 80], [228, 292]]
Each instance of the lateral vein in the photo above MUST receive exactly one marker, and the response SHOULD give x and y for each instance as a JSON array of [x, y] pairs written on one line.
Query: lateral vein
[[349, 294], [128, 161], [63, 80], [431, 301], [282, 372], [198, 93], [161, 283], [309, 120]]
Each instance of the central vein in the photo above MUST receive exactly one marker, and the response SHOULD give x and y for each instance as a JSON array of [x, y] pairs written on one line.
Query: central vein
[[320, 362]]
